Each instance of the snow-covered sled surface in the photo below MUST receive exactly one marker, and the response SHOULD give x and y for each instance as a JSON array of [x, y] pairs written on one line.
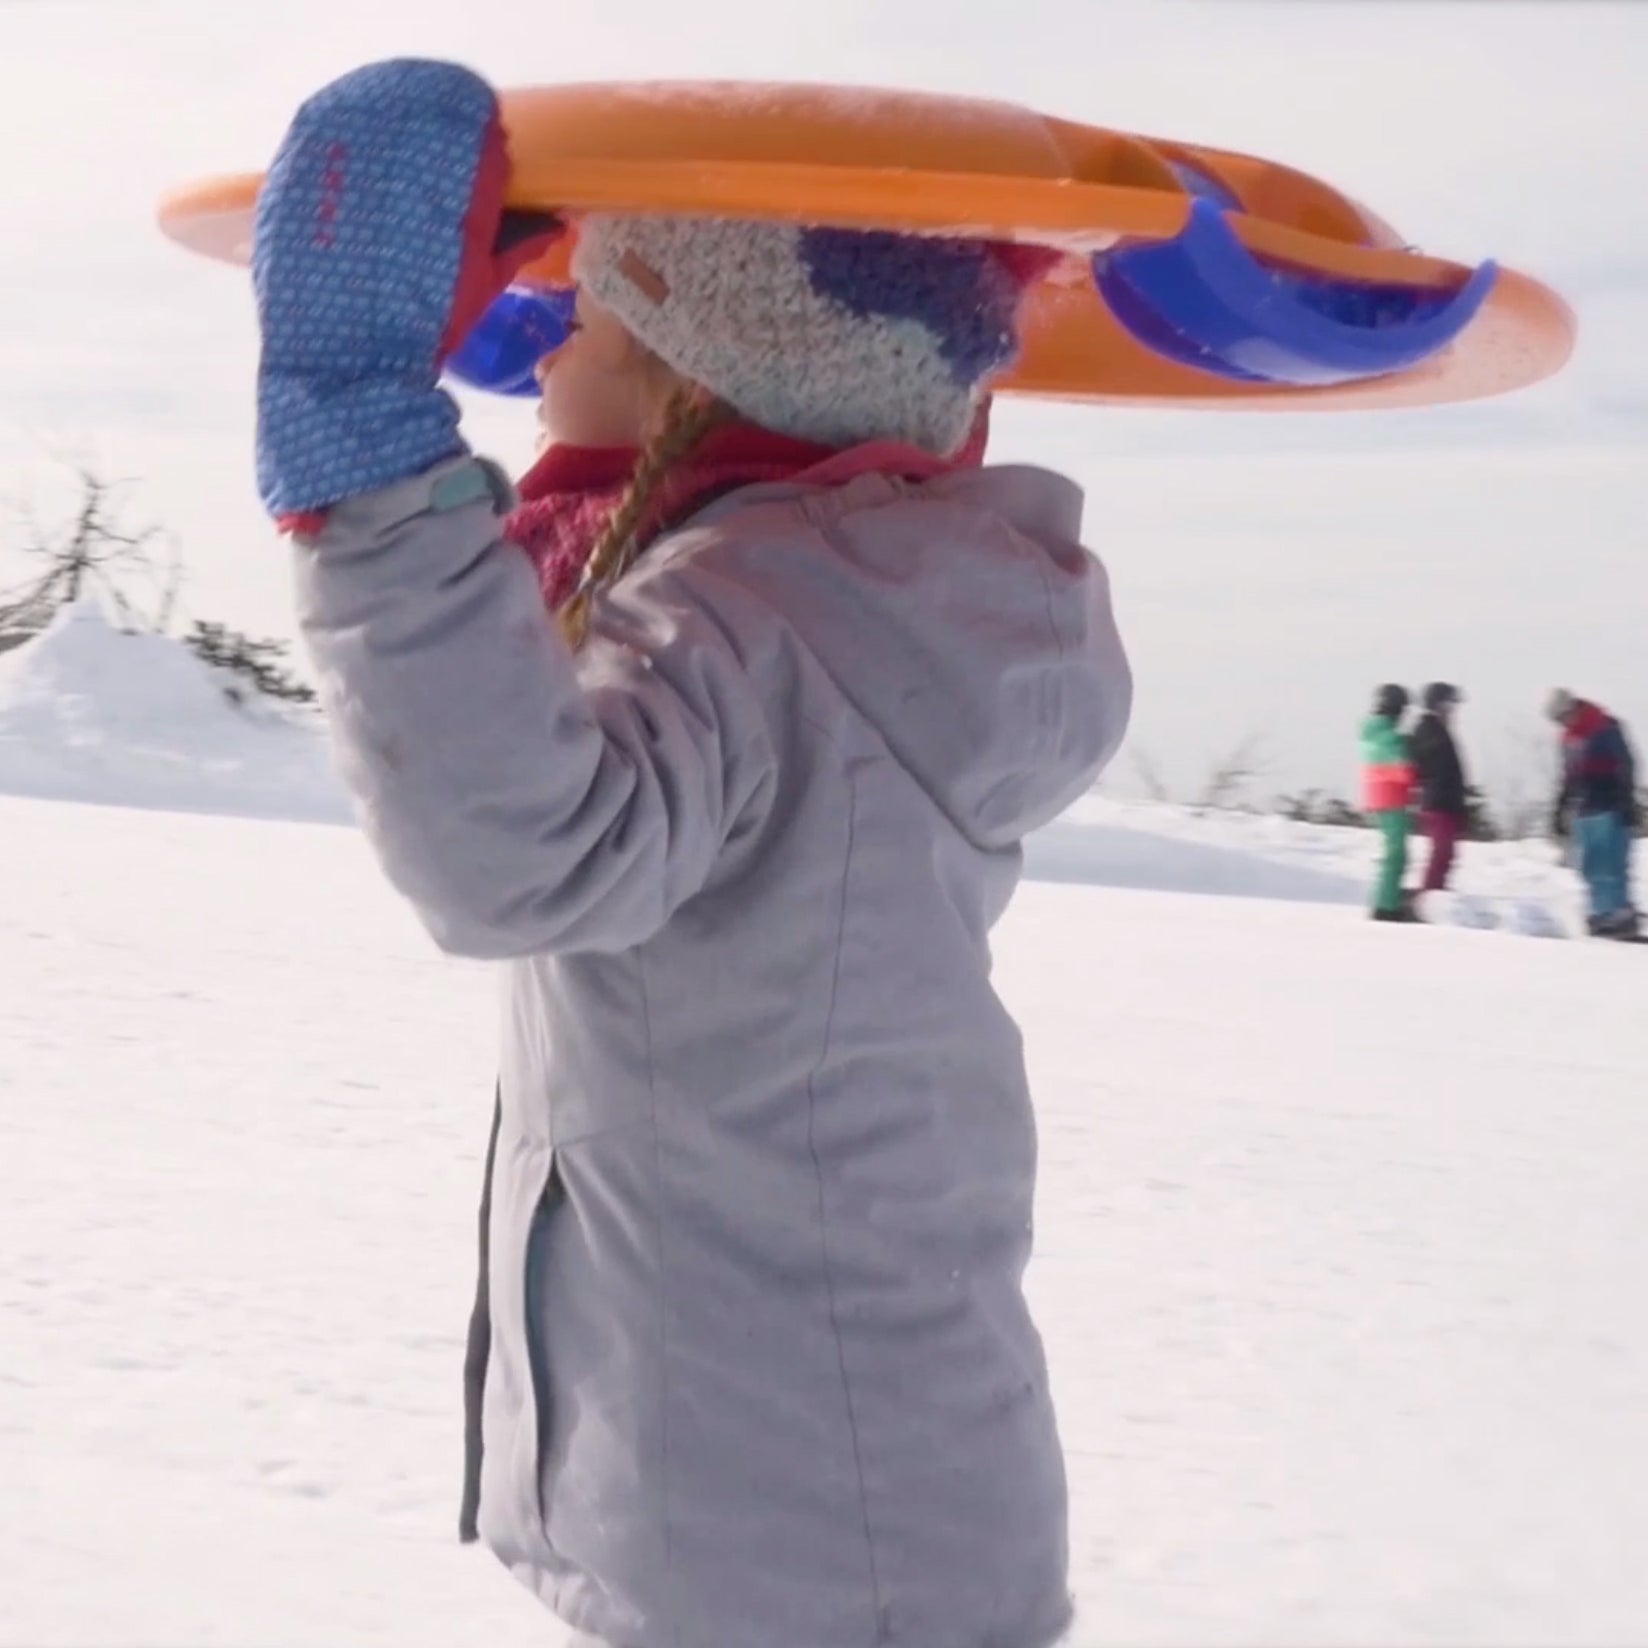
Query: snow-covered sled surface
[[1341, 1252]]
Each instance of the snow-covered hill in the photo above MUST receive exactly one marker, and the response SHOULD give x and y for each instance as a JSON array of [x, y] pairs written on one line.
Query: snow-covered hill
[[89, 713]]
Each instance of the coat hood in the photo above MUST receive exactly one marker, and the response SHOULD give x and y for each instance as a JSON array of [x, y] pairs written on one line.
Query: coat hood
[[964, 620]]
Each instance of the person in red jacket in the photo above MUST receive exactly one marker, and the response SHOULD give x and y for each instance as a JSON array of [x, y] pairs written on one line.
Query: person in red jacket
[[1597, 805]]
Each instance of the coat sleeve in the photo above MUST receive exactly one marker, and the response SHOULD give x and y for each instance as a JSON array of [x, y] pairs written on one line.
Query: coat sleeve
[[1452, 793], [1627, 769], [1424, 751], [521, 800]]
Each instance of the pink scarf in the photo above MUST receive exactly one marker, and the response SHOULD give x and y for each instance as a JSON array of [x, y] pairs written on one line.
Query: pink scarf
[[568, 494]]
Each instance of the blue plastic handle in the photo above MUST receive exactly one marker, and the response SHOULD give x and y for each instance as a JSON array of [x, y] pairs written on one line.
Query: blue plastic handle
[[1203, 185], [1204, 300], [523, 324]]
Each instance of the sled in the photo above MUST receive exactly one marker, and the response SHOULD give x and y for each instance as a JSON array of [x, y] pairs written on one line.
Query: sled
[[1190, 276]]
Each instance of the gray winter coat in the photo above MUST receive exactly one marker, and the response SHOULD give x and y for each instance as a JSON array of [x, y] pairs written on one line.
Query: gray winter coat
[[762, 1373]]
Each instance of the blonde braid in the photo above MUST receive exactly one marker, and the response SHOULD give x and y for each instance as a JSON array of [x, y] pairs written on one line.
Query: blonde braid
[[689, 416]]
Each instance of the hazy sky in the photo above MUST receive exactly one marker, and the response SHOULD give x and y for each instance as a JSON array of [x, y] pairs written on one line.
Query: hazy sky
[[1268, 569]]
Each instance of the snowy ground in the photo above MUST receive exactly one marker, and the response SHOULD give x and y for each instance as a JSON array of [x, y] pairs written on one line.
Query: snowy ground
[[1520, 886], [1342, 1231], [1342, 1246]]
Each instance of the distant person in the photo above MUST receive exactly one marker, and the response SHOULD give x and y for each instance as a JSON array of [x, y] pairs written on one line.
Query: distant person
[[1387, 797], [1597, 806], [1440, 776]]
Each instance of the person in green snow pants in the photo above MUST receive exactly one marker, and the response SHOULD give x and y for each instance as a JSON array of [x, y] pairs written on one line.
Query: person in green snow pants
[[1387, 795], [1394, 825]]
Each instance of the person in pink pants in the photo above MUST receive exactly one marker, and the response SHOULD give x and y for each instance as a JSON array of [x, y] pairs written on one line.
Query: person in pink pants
[[1440, 775]]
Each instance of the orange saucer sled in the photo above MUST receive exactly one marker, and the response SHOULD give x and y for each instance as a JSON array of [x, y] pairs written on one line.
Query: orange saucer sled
[[1192, 276]]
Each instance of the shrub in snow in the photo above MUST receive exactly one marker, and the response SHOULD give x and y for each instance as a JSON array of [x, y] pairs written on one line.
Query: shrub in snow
[[262, 663], [1318, 807]]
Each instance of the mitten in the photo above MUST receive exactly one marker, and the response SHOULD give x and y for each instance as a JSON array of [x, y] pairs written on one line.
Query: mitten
[[381, 239]]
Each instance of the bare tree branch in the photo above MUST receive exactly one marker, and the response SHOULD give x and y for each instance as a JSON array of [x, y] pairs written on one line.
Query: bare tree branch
[[1146, 772], [94, 549], [1227, 786]]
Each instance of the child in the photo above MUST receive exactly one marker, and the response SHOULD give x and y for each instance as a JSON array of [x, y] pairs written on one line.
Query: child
[[762, 1373], [1597, 798], [1387, 794]]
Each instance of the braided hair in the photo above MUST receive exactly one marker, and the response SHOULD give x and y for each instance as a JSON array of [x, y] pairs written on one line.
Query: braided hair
[[689, 416]]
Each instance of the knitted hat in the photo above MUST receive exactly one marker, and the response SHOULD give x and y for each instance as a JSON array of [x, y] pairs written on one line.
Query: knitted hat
[[828, 335], [1439, 694], [1560, 705]]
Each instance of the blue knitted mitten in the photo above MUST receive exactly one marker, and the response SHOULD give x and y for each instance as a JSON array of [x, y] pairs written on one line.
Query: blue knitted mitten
[[377, 249]]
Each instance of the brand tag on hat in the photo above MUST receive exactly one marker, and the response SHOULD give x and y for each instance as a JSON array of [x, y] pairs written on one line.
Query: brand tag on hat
[[643, 277]]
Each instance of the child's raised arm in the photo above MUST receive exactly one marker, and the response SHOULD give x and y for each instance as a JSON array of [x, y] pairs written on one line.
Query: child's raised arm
[[516, 810]]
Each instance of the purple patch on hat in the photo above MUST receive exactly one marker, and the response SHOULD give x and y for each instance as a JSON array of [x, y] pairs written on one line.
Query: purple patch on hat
[[955, 289]]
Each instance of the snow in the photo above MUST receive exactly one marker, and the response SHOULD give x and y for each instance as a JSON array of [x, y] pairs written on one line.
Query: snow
[[89, 713], [1520, 886], [1341, 1246], [1341, 1231]]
